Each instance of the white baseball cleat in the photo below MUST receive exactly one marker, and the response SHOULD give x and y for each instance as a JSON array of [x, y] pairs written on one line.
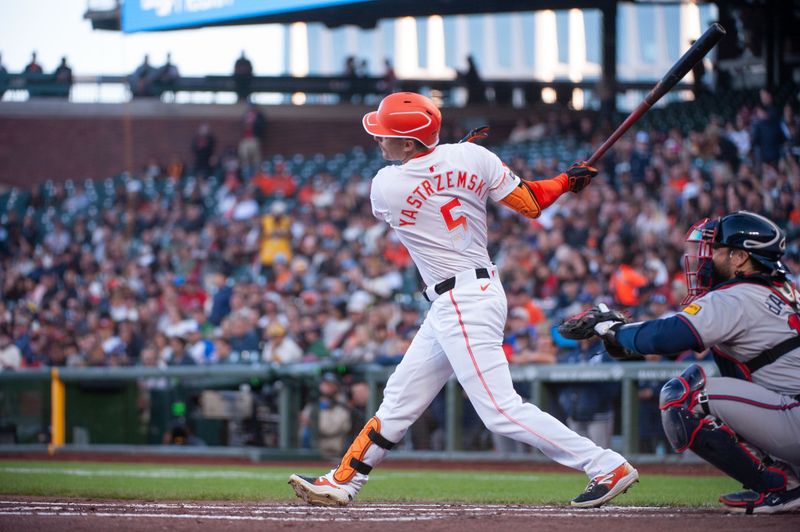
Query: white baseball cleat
[[603, 488], [324, 491]]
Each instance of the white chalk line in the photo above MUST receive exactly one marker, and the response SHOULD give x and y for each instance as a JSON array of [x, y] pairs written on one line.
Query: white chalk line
[[304, 519]]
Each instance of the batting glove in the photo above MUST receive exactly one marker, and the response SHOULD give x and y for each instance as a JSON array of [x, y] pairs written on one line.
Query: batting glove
[[580, 175]]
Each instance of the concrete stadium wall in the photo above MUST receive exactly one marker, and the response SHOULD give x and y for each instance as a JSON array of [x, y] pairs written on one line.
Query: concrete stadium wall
[[59, 140], [41, 140]]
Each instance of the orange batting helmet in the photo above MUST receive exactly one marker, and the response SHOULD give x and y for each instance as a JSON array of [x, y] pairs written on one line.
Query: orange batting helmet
[[405, 115]]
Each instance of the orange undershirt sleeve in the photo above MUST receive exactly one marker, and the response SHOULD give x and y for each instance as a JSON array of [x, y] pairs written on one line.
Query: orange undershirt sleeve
[[531, 197]]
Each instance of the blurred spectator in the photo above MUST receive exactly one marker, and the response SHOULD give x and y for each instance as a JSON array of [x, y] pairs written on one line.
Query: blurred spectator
[[768, 137], [590, 406], [222, 290], [33, 67], [280, 348], [790, 125], [325, 423], [476, 89], [275, 243], [203, 144], [223, 354], [167, 76], [10, 354], [180, 355], [388, 83], [253, 128], [3, 78], [63, 74], [350, 74], [358, 400], [279, 184], [141, 81], [520, 131], [242, 77]]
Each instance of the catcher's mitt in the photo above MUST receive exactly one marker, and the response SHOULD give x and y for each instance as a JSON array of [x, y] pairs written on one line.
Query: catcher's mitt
[[581, 326]]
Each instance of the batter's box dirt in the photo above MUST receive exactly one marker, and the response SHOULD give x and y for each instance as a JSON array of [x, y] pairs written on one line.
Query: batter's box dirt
[[29, 513]]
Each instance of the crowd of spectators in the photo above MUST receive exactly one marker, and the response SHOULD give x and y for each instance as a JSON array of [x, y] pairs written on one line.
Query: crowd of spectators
[[148, 80], [217, 267], [38, 82]]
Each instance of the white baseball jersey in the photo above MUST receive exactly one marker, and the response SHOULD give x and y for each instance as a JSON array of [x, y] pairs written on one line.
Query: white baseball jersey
[[437, 205]]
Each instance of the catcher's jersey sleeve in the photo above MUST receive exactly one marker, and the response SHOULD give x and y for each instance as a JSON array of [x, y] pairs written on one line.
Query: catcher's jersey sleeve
[[437, 206], [715, 317]]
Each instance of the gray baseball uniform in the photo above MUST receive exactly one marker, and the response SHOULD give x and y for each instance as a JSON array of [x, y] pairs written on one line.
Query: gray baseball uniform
[[739, 321]]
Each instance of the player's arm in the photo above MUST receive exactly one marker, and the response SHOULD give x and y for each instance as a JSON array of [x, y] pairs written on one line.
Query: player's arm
[[659, 337], [530, 198], [625, 340]]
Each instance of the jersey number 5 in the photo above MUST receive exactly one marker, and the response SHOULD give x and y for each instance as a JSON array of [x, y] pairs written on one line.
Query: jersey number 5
[[456, 225], [449, 221]]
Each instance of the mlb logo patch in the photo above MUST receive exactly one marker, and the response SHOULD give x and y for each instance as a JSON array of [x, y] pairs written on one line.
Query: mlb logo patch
[[693, 309]]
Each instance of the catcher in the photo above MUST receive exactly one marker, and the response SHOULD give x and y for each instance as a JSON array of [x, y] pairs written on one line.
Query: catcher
[[741, 305]]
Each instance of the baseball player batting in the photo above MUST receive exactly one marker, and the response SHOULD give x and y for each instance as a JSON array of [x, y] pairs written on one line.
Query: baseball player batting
[[435, 200], [742, 305]]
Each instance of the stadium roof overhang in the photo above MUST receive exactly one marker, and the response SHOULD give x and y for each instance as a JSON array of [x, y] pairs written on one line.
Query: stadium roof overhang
[[366, 13]]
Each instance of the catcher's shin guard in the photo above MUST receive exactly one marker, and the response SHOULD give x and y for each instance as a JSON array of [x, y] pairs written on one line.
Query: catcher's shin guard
[[362, 454], [709, 439]]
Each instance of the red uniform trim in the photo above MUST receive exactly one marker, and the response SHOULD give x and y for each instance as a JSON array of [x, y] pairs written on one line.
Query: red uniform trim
[[750, 402], [744, 369], [680, 400], [694, 331]]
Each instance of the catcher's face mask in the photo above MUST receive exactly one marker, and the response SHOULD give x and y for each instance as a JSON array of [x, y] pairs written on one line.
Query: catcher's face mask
[[697, 263]]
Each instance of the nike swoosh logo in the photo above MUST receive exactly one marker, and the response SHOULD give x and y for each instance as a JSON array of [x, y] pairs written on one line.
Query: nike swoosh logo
[[484, 287], [607, 479]]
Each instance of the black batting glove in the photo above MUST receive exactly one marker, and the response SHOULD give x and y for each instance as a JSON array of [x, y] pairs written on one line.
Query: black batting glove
[[580, 175]]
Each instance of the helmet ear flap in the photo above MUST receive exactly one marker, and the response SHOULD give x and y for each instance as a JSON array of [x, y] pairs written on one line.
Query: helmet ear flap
[[406, 115]]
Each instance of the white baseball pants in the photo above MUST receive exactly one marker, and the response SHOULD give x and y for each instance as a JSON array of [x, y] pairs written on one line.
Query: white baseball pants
[[463, 334]]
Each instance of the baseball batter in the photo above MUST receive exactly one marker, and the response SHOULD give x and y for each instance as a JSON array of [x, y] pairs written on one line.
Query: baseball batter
[[743, 307], [435, 200]]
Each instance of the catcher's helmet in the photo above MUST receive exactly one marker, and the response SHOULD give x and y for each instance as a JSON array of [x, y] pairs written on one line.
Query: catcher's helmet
[[760, 237], [405, 115]]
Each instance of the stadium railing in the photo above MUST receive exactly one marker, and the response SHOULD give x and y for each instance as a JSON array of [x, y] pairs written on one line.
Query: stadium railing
[[343, 86], [101, 403]]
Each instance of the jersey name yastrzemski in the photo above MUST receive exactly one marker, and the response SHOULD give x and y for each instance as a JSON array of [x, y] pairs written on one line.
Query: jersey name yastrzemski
[[437, 205]]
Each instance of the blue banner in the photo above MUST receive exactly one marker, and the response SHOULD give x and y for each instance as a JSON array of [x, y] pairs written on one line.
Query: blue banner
[[144, 15]]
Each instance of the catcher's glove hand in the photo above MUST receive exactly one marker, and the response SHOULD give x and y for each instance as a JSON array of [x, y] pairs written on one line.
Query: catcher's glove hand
[[580, 175], [582, 326]]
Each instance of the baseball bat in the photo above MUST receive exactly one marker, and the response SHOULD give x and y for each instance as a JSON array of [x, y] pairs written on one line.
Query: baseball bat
[[694, 54]]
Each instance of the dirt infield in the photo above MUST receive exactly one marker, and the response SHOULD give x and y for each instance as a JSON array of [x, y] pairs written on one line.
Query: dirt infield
[[29, 513]]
